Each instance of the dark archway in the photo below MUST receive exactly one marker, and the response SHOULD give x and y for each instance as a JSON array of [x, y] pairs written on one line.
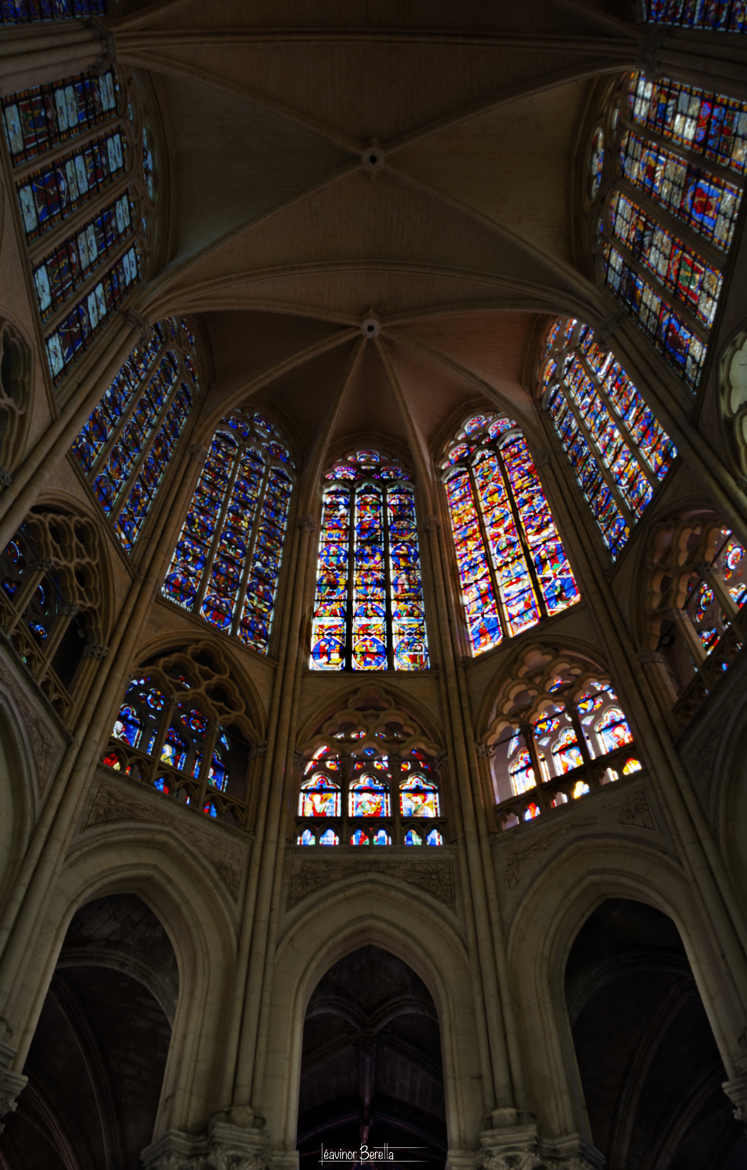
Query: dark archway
[[96, 1063], [649, 1064], [371, 1068]]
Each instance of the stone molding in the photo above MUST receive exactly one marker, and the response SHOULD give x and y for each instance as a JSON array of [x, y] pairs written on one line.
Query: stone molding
[[437, 878], [11, 1084], [225, 1146], [736, 1091], [518, 1147], [45, 741]]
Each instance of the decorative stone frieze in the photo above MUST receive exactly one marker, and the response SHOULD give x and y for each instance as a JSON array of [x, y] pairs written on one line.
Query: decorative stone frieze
[[436, 878]]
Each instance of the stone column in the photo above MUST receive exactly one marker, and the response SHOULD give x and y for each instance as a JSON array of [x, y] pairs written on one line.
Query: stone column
[[226, 1145]]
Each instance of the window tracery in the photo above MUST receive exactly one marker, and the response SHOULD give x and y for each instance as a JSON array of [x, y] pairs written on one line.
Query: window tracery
[[124, 448], [697, 607], [15, 379], [68, 142], [226, 563], [711, 15], [616, 446], [51, 600], [369, 611], [668, 210], [184, 729], [513, 568], [370, 778], [558, 732]]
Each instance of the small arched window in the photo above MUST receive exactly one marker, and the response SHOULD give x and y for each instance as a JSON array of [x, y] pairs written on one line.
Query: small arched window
[[513, 568], [227, 560], [699, 576], [617, 448], [183, 729], [560, 736], [371, 781], [709, 15], [50, 600], [76, 147], [667, 210], [125, 447], [369, 612]]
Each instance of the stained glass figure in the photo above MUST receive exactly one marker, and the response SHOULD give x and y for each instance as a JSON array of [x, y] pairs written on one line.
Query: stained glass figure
[[39, 119], [712, 15], [352, 779], [709, 124], [369, 611], [125, 446], [578, 740], [172, 733], [617, 448], [597, 160], [512, 566], [226, 563]]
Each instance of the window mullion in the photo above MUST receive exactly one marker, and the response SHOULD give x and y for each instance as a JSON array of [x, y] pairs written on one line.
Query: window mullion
[[668, 295], [124, 418], [711, 166], [607, 475], [527, 552], [352, 542], [387, 579], [528, 733], [124, 491], [488, 553], [215, 542], [251, 545], [626, 436], [714, 255]]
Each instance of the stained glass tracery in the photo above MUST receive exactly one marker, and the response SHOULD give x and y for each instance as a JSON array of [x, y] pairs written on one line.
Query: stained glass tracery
[[618, 449], [711, 15], [672, 211], [73, 143], [125, 446], [512, 566], [228, 556], [369, 612]]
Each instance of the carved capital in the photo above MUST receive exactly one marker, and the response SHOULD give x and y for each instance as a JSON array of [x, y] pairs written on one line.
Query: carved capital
[[6, 478], [135, 320], [225, 1146], [510, 1147], [736, 1091], [96, 650], [11, 1084]]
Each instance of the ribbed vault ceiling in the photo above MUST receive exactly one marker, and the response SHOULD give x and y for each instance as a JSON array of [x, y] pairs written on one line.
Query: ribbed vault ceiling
[[325, 162]]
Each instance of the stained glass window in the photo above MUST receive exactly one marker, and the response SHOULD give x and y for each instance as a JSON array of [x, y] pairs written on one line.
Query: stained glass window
[[575, 739], [513, 569], [369, 612], [176, 732], [374, 787], [617, 448], [99, 188], [597, 159], [26, 11], [125, 446], [50, 594], [668, 135], [227, 560], [713, 15]]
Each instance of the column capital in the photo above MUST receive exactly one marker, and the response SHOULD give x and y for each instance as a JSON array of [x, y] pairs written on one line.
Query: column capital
[[736, 1091], [512, 1145], [11, 1084], [6, 478], [225, 1146]]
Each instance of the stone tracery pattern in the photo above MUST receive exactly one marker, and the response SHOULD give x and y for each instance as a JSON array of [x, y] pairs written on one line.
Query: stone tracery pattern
[[370, 778], [15, 378], [51, 599], [184, 729], [512, 565], [616, 446], [60, 170], [558, 732]]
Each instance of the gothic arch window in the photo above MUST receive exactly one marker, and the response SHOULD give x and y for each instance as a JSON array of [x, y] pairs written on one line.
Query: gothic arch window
[[616, 446], [86, 197], [184, 730], [698, 575], [369, 612], [709, 15], [125, 447], [227, 560], [557, 733], [513, 569], [666, 203], [51, 598], [30, 11], [370, 778]]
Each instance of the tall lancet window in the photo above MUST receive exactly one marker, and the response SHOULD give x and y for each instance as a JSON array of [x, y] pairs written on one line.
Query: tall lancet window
[[227, 560], [369, 612], [82, 157], [513, 568], [668, 196], [124, 448], [617, 448]]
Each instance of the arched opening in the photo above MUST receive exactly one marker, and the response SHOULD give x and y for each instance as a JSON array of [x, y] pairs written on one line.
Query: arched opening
[[98, 1056], [650, 1068], [371, 1068]]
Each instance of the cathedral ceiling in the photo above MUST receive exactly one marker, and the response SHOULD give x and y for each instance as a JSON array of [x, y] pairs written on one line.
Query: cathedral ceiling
[[328, 162]]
